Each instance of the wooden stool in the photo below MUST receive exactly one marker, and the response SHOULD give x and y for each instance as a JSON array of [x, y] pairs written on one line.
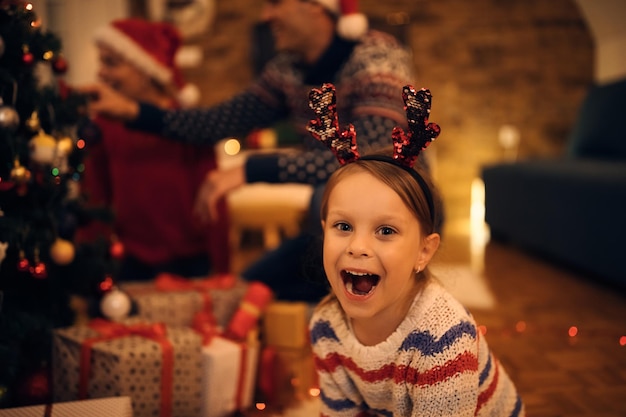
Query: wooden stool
[[276, 210]]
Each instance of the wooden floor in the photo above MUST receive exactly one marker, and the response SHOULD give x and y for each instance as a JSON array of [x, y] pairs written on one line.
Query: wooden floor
[[560, 336]]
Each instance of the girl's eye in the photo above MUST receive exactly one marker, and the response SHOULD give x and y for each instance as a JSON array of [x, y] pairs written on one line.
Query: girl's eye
[[386, 230], [343, 227]]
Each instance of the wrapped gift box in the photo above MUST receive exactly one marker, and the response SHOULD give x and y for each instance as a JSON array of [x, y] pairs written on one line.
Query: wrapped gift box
[[177, 306], [161, 374], [229, 375], [101, 407], [285, 324]]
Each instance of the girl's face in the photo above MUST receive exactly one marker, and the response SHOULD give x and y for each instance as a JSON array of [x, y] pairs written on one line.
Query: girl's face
[[373, 245]]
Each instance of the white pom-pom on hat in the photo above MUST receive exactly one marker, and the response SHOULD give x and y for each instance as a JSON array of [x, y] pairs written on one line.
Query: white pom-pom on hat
[[189, 95], [351, 24]]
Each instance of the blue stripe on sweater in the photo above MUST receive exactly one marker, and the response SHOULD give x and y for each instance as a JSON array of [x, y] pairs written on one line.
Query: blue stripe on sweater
[[344, 404], [337, 405], [518, 407], [322, 330], [426, 343], [485, 372]]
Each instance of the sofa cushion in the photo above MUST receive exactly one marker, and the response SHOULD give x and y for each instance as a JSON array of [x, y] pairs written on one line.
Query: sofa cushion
[[569, 209], [599, 131]]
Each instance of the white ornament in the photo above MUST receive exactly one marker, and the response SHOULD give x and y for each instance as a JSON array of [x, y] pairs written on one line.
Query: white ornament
[[3, 250], [115, 305]]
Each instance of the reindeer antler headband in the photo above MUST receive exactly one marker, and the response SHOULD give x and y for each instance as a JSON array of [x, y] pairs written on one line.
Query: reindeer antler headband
[[406, 146]]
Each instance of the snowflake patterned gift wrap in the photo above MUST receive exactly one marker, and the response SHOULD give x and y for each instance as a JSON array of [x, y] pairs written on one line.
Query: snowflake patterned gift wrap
[[175, 300], [101, 407], [158, 366]]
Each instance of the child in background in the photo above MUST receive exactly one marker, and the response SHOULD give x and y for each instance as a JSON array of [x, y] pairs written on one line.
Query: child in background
[[149, 182], [390, 340]]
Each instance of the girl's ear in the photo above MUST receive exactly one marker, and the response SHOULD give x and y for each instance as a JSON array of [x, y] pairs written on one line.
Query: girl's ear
[[428, 248], [323, 224]]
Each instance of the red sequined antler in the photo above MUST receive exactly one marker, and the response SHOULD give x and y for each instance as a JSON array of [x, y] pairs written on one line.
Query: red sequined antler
[[326, 127], [406, 147]]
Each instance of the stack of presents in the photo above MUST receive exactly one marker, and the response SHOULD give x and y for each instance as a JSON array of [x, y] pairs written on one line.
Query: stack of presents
[[210, 347]]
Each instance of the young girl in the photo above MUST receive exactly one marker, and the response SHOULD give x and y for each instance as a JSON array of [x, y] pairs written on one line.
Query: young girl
[[390, 340]]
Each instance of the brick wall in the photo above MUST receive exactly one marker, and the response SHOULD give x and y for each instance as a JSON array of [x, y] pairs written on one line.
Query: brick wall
[[525, 63]]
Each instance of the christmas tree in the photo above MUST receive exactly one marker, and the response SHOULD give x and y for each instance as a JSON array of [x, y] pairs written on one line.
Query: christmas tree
[[45, 274]]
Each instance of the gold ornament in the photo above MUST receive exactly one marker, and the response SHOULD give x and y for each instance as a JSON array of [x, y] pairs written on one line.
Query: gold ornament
[[33, 121], [19, 173], [62, 252], [65, 146], [42, 148]]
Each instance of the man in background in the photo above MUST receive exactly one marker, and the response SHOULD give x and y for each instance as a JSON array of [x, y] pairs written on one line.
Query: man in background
[[317, 41]]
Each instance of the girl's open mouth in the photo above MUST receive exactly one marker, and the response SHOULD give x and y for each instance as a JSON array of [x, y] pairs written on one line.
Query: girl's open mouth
[[359, 283]]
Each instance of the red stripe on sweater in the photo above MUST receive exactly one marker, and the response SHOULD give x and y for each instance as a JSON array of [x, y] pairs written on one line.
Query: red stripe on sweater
[[484, 396], [462, 363]]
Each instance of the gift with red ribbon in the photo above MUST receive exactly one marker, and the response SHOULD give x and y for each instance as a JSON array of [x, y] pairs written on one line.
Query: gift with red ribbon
[[174, 300], [158, 366], [230, 358]]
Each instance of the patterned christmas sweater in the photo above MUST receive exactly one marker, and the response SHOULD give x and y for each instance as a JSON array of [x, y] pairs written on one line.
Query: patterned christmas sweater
[[436, 363], [368, 76]]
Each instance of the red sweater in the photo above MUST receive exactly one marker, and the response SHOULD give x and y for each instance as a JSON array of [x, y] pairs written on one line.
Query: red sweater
[[151, 185]]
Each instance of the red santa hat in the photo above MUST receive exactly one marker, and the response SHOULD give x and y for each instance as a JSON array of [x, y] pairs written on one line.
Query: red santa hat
[[153, 47], [350, 24]]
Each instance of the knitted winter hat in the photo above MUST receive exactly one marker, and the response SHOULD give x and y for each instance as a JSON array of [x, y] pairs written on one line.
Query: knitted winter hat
[[351, 24], [153, 47]]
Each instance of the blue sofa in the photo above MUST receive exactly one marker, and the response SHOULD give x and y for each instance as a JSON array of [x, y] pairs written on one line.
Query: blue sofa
[[570, 209]]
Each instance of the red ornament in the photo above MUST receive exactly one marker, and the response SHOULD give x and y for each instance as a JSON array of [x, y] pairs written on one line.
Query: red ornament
[[35, 388], [116, 250], [59, 65], [39, 270], [23, 265], [28, 58], [107, 284]]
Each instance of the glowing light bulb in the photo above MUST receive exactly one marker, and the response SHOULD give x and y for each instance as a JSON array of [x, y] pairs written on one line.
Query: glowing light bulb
[[232, 147], [573, 331]]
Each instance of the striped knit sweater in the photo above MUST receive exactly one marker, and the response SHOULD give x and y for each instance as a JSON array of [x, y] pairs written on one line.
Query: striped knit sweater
[[436, 363]]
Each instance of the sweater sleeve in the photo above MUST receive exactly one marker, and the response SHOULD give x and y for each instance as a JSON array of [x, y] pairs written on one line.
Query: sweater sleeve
[[206, 126], [339, 397], [446, 376], [316, 165]]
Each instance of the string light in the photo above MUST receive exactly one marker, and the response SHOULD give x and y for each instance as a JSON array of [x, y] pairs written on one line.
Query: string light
[[232, 147], [573, 332]]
